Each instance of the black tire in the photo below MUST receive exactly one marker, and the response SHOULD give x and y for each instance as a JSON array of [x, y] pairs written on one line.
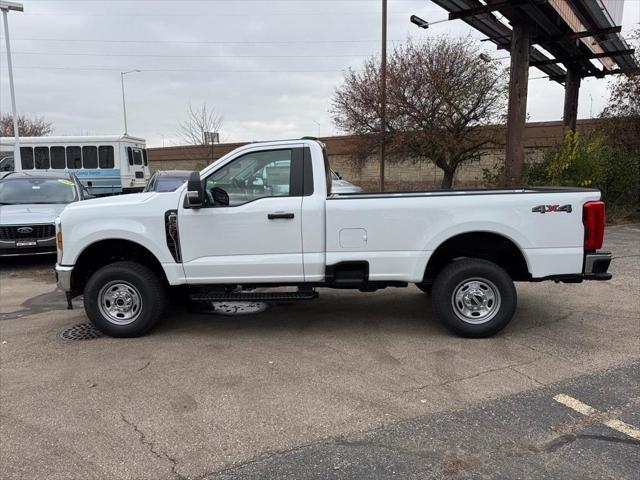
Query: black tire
[[453, 292], [425, 287], [143, 288]]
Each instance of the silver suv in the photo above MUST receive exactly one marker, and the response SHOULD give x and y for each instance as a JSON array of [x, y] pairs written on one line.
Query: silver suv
[[29, 205]]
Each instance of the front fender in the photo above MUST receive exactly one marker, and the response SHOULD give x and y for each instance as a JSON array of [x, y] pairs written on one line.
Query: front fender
[[79, 236]]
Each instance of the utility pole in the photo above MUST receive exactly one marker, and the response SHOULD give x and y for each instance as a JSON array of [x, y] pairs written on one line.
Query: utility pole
[[5, 7], [124, 104], [383, 93]]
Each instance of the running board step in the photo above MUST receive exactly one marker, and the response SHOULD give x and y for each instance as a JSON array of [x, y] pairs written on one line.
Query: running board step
[[253, 296]]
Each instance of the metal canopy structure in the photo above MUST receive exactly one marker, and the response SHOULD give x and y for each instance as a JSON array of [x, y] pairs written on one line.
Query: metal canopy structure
[[566, 39]]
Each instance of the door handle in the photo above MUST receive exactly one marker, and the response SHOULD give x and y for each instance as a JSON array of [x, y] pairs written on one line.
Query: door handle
[[277, 215]]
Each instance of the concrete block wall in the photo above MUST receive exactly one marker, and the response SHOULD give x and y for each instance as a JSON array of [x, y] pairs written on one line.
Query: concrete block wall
[[401, 174]]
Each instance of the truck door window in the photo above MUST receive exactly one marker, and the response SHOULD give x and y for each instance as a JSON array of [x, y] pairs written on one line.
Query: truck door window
[[253, 176], [327, 171]]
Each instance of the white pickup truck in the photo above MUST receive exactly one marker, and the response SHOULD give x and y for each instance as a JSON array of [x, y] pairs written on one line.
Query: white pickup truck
[[264, 216]]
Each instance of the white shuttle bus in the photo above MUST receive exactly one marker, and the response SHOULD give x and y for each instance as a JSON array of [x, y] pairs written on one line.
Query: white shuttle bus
[[106, 165]]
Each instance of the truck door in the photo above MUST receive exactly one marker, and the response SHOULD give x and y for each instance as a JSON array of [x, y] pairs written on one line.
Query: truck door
[[258, 236]]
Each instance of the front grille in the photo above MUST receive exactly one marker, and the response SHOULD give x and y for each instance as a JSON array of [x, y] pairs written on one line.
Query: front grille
[[12, 232]]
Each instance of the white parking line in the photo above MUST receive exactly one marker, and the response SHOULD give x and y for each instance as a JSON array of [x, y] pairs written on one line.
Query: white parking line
[[586, 410]]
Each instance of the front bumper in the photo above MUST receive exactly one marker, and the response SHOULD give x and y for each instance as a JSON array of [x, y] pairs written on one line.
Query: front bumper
[[596, 265], [16, 248], [63, 277]]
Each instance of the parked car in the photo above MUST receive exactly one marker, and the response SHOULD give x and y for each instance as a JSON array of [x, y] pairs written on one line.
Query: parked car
[[264, 216], [340, 185], [167, 180], [29, 205]]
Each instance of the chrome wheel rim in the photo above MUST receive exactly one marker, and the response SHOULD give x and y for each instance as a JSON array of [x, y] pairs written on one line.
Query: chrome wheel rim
[[476, 300], [120, 302]]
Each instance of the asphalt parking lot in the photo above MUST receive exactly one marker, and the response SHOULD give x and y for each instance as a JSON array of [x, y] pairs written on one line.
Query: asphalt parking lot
[[348, 386]]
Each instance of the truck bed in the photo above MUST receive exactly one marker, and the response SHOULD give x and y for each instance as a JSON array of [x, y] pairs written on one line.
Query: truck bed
[[399, 236]]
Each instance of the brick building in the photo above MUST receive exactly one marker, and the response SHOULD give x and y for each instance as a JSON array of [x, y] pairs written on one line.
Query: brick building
[[401, 174]]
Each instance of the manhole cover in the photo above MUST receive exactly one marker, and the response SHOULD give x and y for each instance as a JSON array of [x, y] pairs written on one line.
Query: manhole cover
[[82, 331], [237, 308]]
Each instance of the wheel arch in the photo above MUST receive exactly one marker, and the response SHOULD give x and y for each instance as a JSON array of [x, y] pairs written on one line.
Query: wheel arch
[[488, 245], [106, 251]]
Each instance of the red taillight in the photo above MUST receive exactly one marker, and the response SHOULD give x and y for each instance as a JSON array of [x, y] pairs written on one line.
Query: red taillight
[[593, 218]]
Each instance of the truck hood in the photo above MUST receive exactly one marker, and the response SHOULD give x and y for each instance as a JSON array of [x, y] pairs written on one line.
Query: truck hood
[[122, 206], [30, 213], [114, 201]]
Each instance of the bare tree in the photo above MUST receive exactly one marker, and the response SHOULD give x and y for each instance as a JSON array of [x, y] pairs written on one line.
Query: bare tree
[[27, 127], [621, 116], [198, 122], [441, 99]]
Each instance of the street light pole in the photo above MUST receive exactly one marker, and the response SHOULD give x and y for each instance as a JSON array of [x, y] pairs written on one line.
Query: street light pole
[[5, 7], [383, 93], [124, 103]]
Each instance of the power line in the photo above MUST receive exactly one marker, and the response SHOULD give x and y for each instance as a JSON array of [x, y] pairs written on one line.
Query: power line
[[79, 54], [214, 15], [39, 67], [194, 42], [212, 1]]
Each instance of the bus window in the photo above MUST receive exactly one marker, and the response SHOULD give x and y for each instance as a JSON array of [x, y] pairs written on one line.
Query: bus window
[[74, 157], [58, 160], [144, 157], [106, 157], [137, 156], [26, 156], [41, 156], [130, 155], [89, 157]]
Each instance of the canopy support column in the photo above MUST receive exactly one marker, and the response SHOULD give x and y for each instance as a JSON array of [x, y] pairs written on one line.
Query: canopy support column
[[517, 113], [571, 92]]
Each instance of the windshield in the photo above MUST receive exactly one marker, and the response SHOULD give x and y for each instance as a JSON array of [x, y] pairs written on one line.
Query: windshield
[[169, 184], [37, 190]]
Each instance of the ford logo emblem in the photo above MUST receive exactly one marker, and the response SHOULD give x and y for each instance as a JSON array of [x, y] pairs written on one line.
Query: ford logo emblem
[[25, 230]]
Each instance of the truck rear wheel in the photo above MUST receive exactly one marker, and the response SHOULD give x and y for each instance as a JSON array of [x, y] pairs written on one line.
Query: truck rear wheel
[[474, 298], [124, 299]]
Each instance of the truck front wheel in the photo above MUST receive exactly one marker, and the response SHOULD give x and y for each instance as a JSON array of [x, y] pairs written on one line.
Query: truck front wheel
[[124, 299], [474, 298]]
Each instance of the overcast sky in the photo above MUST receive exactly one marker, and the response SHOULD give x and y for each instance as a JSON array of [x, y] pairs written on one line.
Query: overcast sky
[[269, 67]]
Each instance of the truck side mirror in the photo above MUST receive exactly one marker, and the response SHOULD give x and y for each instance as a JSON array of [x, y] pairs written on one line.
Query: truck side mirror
[[195, 192]]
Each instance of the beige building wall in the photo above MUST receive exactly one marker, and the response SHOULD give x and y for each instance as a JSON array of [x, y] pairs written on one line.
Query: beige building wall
[[400, 175]]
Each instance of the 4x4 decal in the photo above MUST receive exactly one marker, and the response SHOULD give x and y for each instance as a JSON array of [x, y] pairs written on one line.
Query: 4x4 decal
[[551, 209]]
